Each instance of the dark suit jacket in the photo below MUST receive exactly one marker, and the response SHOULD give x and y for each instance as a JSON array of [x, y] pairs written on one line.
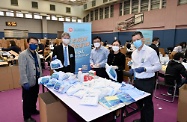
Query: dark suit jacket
[[155, 48], [59, 52]]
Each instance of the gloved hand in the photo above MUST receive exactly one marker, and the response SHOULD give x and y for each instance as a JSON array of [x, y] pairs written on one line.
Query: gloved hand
[[26, 86], [114, 67], [131, 72], [140, 69]]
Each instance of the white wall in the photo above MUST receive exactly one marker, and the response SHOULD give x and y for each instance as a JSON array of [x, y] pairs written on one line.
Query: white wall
[[44, 7], [54, 26]]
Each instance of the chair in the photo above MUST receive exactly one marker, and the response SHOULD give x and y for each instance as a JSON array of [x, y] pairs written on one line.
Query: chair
[[169, 81]]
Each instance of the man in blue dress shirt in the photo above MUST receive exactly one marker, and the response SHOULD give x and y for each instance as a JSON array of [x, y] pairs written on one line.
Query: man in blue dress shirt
[[98, 58]]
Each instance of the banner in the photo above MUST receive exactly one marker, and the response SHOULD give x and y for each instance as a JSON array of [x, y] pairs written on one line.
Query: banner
[[148, 36], [81, 41]]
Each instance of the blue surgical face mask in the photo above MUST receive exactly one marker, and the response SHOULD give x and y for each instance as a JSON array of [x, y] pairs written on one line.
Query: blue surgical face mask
[[33, 46], [137, 43]]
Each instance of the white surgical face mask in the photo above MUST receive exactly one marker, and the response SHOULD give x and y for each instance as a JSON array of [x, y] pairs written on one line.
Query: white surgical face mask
[[66, 41], [115, 48], [97, 44]]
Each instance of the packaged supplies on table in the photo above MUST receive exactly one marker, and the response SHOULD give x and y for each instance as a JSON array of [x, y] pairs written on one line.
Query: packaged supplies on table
[[44, 80], [51, 82], [60, 76], [80, 93], [56, 64], [62, 86], [90, 99], [74, 88]]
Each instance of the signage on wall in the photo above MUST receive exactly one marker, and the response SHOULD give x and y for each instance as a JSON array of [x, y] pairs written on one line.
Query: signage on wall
[[11, 23]]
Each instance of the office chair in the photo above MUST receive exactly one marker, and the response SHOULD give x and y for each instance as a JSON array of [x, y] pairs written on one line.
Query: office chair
[[169, 81]]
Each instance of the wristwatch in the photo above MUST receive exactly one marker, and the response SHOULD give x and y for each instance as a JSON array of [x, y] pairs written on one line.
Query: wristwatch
[[144, 69]]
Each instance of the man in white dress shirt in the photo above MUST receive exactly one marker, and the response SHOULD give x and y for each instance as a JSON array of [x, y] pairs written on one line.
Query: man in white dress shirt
[[145, 64]]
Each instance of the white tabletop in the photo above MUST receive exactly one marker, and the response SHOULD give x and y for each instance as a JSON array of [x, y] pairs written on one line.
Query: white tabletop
[[88, 113]]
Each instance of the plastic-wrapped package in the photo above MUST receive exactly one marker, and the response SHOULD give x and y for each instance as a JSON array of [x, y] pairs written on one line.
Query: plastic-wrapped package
[[56, 64], [111, 72], [44, 80], [61, 87], [80, 93], [90, 99], [74, 88], [55, 75], [51, 82]]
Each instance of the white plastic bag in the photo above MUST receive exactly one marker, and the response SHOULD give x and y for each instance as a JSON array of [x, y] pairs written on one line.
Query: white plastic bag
[[44, 80], [56, 64]]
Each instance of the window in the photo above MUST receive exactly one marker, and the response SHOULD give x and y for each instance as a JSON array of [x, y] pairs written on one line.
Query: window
[[111, 10], [10, 13], [1, 13], [61, 19], [182, 2], [106, 12], [14, 2], [68, 19], [28, 15], [85, 6], [37, 16], [101, 13], [68, 10], [91, 16], [19, 14], [48, 18], [79, 20], [52, 7], [120, 9], [53, 17], [96, 14], [135, 6], [104, 1], [93, 3], [126, 7], [144, 5], [155, 4], [34, 4], [74, 19], [164, 3]]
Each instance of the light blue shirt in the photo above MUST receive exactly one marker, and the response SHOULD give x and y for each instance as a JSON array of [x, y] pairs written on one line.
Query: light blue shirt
[[99, 56]]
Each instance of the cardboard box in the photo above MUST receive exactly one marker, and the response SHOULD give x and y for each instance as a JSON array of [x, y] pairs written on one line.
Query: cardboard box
[[182, 104], [51, 109], [15, 77], [6, 78]]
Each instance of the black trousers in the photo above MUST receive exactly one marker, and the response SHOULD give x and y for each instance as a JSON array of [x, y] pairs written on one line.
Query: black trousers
[[101, 72], [29, 98], [146, 104]]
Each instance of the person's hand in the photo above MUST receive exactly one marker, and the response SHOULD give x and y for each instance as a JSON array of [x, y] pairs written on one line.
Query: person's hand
[[92, 65], [26, 86], [114, 67], [140, 69], [131, 72]]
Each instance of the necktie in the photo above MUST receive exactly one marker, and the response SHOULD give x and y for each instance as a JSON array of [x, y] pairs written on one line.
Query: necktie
[[65, 57]]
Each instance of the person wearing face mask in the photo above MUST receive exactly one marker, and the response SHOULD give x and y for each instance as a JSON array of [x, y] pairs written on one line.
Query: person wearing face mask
[[66, 54], [30, 70], [154, 45], [145, 64], [176, 69], [117, 60], [98, 58]]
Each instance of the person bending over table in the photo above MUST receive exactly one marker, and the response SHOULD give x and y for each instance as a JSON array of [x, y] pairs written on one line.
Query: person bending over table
[[176, 69], [117, 60], [145, 64], [98, 58], [12, 47]]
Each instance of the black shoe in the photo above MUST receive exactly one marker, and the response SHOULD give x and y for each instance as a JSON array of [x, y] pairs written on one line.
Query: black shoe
[[137, 120], [36, 112], [30, 120]]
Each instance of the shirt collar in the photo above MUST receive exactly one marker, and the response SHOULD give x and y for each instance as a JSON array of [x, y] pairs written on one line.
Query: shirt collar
[[100, 48], [64, 45]]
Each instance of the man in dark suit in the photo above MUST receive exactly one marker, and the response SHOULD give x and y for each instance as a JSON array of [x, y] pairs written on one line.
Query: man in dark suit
[[154, 45], [66, 54]]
